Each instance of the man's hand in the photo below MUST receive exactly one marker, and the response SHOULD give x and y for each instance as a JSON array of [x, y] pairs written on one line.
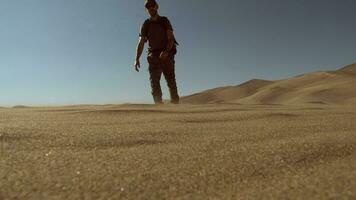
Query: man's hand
[[139, 49], [137, 65], [163, 55]]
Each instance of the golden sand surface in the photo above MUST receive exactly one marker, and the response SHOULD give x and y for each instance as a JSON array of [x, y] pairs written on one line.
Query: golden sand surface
[[212, 151]]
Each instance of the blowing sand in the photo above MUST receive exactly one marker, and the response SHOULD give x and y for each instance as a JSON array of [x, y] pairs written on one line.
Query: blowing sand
[[224, 151]]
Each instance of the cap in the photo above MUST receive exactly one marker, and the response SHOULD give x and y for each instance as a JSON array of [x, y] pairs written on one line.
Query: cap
[[150, 2]]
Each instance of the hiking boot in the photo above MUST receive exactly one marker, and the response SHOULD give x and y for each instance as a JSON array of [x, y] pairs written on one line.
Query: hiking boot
[[158, 100], [175, 101]]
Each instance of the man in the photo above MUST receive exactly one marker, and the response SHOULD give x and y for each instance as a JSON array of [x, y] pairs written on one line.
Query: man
[[162, 49]]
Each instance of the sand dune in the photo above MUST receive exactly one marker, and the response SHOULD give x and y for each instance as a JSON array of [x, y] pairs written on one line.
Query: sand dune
[[349, 69], [20, 106], [324, 87]]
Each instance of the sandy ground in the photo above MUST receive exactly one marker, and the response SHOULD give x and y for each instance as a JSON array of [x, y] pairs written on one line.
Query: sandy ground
[[178, 152]]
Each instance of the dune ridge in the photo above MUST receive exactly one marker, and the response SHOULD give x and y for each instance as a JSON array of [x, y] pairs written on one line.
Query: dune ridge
[[321, 87]]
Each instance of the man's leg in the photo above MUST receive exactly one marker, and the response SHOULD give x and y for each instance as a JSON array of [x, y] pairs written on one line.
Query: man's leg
[[155, 77], [169, 74]]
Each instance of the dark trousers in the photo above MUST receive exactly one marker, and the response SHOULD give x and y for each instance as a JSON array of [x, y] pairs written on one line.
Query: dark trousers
[[156, 68]]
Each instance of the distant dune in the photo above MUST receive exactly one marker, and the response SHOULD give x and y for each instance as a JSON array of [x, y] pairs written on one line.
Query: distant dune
[[20, 106], [351, 69], [322, 87]]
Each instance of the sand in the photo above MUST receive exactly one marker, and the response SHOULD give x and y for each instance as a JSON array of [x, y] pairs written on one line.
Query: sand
[[211, 151]]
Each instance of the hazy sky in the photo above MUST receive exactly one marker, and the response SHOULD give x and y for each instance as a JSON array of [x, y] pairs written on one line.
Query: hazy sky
[[82, 51]]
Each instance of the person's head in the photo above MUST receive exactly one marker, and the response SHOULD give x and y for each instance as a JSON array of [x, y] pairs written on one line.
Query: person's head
[[151, 7]]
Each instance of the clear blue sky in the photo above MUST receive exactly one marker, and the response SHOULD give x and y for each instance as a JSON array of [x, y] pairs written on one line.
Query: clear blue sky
[[82, 51]]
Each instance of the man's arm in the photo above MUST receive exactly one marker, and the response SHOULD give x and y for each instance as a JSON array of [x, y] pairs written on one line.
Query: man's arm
[[170, 44], [170, 37], [139, 49]]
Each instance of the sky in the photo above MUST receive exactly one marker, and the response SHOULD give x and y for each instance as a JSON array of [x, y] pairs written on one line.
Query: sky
[[60, 52]]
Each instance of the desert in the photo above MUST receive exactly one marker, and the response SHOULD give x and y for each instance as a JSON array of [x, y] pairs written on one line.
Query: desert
[[241, 142], [186, 100]]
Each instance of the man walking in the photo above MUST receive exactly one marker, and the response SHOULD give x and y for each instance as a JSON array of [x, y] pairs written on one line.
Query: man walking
[[162, 49]]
